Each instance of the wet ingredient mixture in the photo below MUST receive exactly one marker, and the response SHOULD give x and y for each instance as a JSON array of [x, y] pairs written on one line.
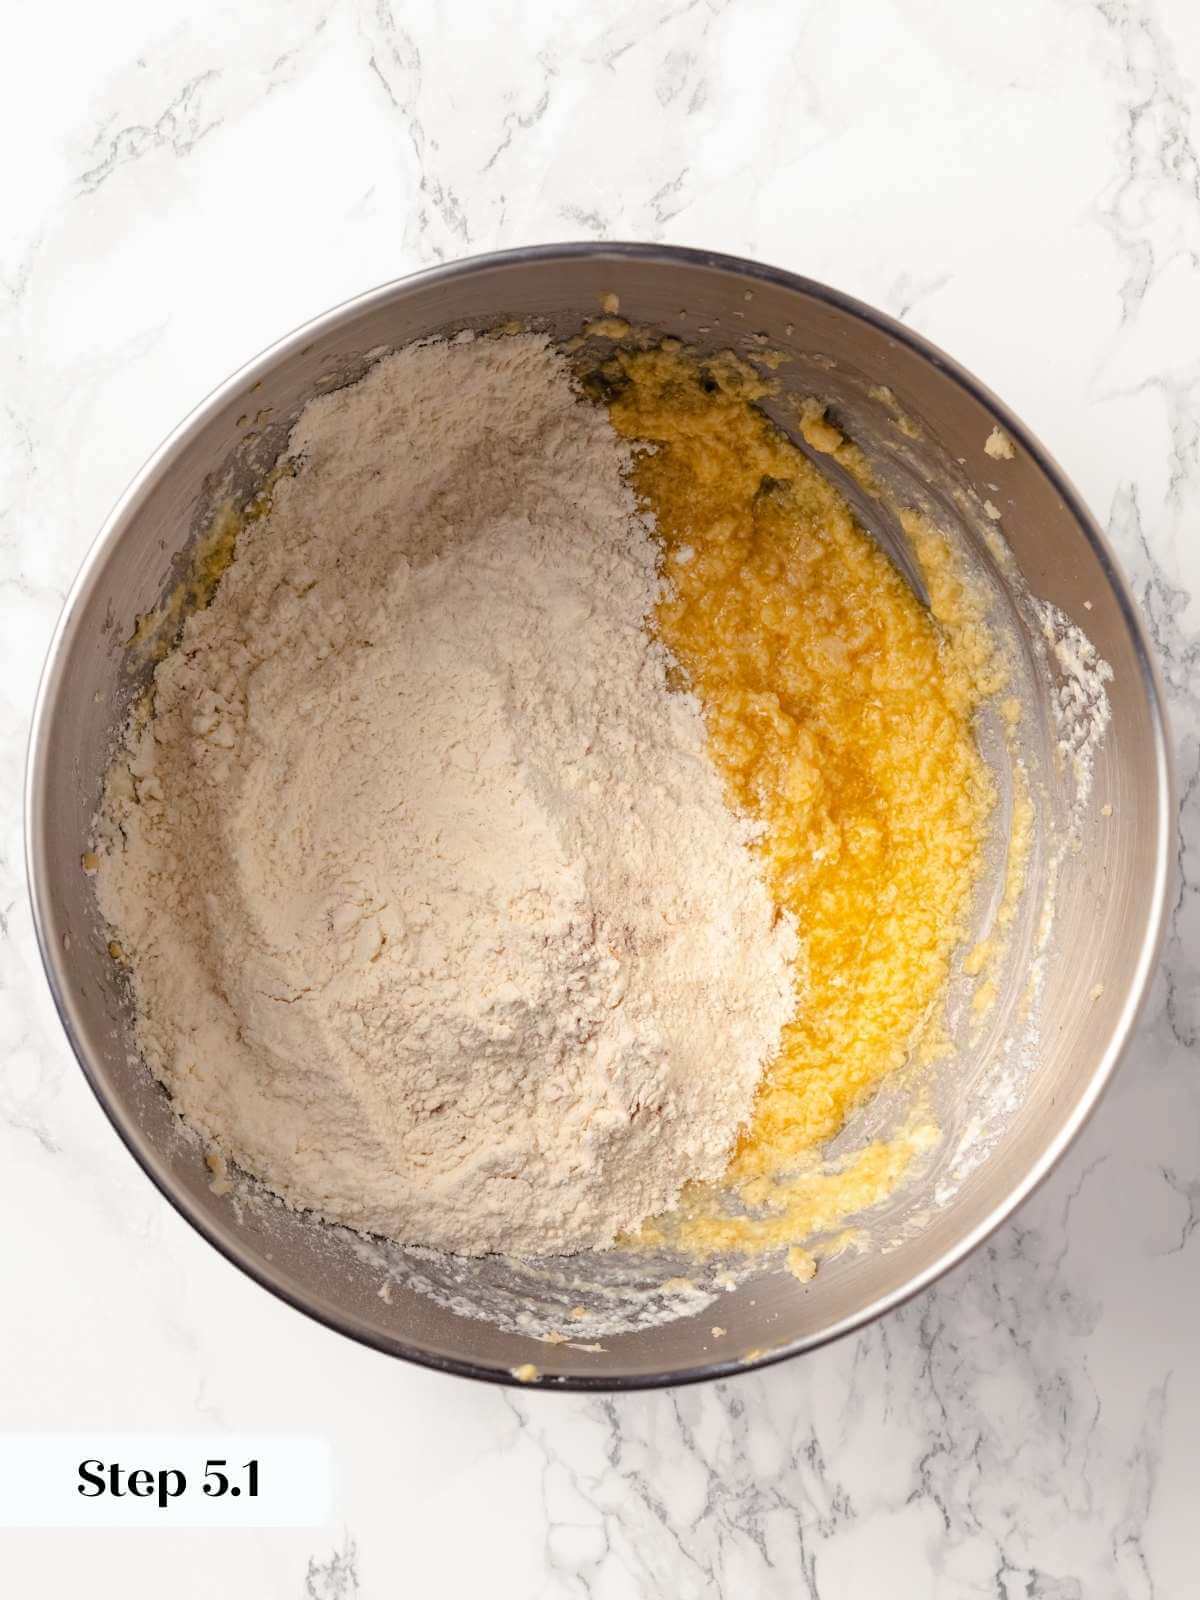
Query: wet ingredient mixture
[[839, 713]]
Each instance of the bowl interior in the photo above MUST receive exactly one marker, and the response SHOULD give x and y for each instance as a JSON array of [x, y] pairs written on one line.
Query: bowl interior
[[1007, 1099]]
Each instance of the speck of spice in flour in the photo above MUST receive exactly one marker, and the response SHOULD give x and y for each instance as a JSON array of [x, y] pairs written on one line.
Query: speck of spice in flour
[[435, 916]]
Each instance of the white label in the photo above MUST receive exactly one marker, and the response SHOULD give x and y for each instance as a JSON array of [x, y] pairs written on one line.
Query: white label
[[99, 1479]]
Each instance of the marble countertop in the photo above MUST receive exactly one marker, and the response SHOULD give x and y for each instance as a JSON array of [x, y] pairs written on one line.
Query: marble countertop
[[1021, 184]]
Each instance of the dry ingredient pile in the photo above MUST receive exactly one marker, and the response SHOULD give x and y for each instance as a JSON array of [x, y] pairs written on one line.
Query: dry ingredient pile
[[560, 820], [436, 916]]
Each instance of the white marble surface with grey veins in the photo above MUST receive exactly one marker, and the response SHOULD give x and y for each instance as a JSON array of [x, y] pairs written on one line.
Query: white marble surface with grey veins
[[1021, 183]]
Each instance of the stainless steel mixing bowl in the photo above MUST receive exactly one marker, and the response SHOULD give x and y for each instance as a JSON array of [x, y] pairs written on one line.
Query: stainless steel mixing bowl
[[1110, 895]]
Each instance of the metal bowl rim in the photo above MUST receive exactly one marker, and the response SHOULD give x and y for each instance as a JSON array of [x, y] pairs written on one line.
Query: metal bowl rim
[[127, 507]]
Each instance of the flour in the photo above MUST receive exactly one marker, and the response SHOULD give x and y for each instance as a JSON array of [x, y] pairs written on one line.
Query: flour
[[436, 919], [1080, 697]]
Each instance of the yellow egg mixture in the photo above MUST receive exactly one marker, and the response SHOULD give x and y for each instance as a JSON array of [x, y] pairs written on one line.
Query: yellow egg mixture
[[840, 714]]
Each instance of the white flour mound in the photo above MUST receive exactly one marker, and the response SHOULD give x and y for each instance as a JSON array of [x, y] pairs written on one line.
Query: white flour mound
[[436, 918]]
